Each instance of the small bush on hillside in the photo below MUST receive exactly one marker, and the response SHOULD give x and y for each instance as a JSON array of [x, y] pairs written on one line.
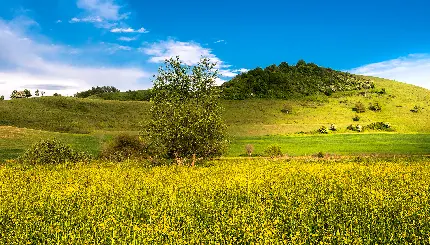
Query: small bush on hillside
[[375, 107], [273, 151], [356, 128], [50, 152], [124, 147], [323, 130], [416, 109], [333, 127], [249, 149], [356, 118], [320, 154], [287, 109], [359, 108], [383, 126], [1, 97]]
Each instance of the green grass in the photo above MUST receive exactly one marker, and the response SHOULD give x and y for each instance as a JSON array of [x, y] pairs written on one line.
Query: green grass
[[340, 144], [256, 117], [226, 202]]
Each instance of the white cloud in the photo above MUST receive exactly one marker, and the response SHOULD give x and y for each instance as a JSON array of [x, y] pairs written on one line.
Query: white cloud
[[106, 9], [89, 19], [241, 70], [414, 69], [28, 63], [129, 30], [220, 41], [127, 39], [59, 21]]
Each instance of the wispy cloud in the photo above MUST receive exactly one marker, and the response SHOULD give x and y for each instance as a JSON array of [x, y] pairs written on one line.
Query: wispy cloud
[[90, 19], [106, 9], [220, 41], [129, 30], [414, 69], [190, 53], [59, 21], [26, 62], [127, 39]]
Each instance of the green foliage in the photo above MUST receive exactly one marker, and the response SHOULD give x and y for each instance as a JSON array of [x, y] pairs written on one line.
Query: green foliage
[[273, 151], [333, 127], [131, 95], [20, 94], [249, 149], [357, 128], [49, 152], [383, 126], [287, 109], [185, 115], [57, 95], [359, 108], [320, 154], [124, 147], [97, 91], [375, 107], [1, 97], [323, 130], [356, 118], [416, 109], [285, 81]]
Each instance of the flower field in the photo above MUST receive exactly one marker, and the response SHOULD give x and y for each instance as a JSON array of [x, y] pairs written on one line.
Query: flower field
[[293, 201]]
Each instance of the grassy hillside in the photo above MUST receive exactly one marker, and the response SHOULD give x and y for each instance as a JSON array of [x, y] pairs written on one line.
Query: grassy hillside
[[252, 117]]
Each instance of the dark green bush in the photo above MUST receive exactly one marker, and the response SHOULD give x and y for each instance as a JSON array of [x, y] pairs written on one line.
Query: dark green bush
[[287, 109], [383, 126], [359, 108], [323, 130], [273, 151], [356, 128], [356, 118], [50, 152], [124, 147], [375, 107], [333, 127], [416, 109]]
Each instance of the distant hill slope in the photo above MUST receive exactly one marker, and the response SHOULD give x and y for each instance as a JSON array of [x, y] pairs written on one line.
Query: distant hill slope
[[250, 117], [286, 81]]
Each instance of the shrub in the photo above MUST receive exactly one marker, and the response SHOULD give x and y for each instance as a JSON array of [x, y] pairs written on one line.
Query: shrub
[[416, 109], [249, 149], [1, 97], [287, 109], [375, 107], [356, 128], [356, 118], [323, 130], [273, 151], [124, 147], [320, 154], [50, 152], [384, 126], [333, 127], [359, 108]]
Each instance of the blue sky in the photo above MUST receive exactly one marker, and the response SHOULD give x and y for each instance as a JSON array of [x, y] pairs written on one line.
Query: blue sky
[[67, 46]]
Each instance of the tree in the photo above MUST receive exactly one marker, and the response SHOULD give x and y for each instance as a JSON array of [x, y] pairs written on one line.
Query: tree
[[37, 93], [1, 97], [185, 113], [27, 93]]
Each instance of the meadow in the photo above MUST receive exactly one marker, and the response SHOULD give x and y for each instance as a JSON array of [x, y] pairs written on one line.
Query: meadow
[[294, 201]]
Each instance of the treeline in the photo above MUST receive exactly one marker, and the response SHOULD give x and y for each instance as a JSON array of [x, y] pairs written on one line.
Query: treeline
[[287, 81], [112, 93], [281, 81]]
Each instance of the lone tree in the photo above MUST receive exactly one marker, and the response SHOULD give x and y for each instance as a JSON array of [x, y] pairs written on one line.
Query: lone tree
[[185, 114]]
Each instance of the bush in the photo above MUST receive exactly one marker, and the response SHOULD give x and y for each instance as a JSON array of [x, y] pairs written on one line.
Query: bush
[[384, 126], [320, 154], [375, 107], [356, 118], [323, 130], [356, 128], [124, 147], [333, 127], [287, 109], [1, 97], [416, 109], [50, 152], [359, 108], [249, 149], [273, 151]]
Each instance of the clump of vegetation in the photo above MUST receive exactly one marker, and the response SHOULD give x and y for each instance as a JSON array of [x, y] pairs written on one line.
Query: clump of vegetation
[[249, 149], [20, 94], [359, 108], [287, 81], [416, 109], [1, 97], [287, 109], [50, 152], [185, 113], [320, 154], [356, 128], [333, 127], [356, 118], [375, 107], [383, 126], [97, 91], [273, 151], [124, 147], [323, 130]]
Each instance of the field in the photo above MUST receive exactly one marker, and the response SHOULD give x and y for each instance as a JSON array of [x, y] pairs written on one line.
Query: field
[[299, 201]]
